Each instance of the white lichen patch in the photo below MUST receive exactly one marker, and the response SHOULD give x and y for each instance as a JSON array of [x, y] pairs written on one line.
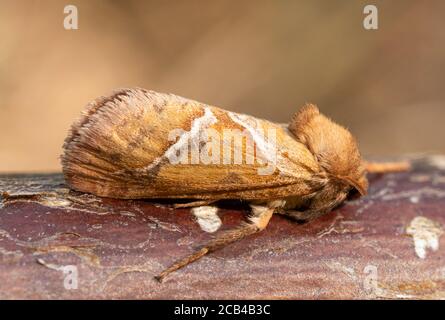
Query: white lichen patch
[[426, 234], [51, 201], [420, 178], [437, 161], [207, 218]]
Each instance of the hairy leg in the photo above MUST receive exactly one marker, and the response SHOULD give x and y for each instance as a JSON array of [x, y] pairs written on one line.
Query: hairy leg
[[320, 205], [258, 221], [192, 204]]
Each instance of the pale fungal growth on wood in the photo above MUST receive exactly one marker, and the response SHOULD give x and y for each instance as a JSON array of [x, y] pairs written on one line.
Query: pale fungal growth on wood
[[426, 234]]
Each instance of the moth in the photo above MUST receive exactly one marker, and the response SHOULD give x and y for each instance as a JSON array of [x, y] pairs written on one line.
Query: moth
[[137, 143]]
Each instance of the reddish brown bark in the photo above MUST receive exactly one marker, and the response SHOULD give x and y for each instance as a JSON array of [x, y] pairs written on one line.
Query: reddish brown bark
[[118, 246]]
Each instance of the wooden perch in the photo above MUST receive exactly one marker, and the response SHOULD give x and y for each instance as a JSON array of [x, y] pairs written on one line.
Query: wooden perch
[[385, 245]]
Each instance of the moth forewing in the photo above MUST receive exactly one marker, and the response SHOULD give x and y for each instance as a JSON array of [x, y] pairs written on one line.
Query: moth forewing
[[144, 143]]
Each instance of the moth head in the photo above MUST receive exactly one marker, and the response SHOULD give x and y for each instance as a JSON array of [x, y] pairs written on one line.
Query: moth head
[[333, 146]]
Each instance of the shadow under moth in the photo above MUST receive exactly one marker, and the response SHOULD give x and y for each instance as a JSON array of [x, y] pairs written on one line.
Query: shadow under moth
[[137, 144]]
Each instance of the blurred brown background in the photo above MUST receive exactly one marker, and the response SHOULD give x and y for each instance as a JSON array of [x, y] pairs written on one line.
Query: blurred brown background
[[264, 58]]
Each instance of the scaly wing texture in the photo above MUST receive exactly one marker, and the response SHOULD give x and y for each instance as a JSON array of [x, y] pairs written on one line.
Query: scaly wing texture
[[123, 147]]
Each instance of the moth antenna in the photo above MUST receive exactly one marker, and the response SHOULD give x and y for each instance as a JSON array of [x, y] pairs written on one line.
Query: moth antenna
[[182, 263], [257, 221], [219, 242], [386, 167]]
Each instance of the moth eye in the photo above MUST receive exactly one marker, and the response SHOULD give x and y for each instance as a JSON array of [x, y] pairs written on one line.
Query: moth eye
[[352, 193]]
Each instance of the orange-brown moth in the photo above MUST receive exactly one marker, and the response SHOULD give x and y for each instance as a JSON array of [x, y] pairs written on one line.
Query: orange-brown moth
[[137, 143]]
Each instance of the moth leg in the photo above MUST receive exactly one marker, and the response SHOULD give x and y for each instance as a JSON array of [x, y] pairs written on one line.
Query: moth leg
[[258, 221], [306, 215], [319, 206], [193, 204]]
